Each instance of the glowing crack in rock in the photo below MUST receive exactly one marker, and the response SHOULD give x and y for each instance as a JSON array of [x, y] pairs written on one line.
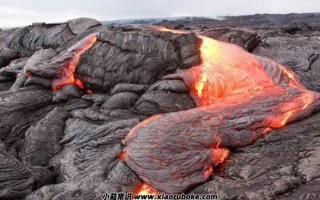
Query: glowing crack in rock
[[60, 70], [143, 189], [68, 69], [240, 97]]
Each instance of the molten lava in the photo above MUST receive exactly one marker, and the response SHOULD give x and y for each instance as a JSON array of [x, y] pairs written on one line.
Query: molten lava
[[143, 189], [230, 75], [218, 155], [239, 95], [68, 70], [226, 73]]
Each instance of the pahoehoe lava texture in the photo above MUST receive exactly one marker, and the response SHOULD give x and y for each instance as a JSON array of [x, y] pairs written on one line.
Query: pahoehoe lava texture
[[66, 142], [179, 146], [135, 56]]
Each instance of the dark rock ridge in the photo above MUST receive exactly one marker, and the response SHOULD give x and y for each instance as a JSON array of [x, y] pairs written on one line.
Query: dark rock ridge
[[65, 144]]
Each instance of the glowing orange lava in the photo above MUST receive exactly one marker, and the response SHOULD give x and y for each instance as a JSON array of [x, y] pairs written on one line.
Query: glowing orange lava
[[68, 71], [144, 188], [298, 104], [227, 76], [219, 155], [226, 73]]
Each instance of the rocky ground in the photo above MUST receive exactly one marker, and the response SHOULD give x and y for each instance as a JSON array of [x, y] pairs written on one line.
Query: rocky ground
[[66, 142]]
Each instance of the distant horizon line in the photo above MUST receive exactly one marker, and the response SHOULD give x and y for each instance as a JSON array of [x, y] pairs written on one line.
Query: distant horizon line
[[217, 17]]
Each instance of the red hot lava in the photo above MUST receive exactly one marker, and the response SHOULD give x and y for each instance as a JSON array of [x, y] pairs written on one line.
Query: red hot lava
[[230, 75], [227, 78], [144, 188]]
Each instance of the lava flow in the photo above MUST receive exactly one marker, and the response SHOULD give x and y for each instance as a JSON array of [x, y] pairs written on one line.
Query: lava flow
[[240, 97], [226, 72], [73, 56], [230, 75], [143, 189]]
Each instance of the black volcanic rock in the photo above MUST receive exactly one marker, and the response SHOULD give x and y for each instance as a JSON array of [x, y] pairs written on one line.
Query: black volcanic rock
[[127, 87], [243, 37], [122, 100], [160, 101], [79, 25], [7, 55], [300, 53], [177, 86], [20, 109], [41, 141], [16, 180], [142, 57]]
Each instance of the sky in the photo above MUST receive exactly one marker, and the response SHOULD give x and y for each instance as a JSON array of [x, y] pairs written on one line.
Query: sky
[[24, 12]]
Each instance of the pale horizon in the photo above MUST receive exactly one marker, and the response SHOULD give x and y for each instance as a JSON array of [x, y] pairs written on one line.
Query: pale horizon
[[15, 13]]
